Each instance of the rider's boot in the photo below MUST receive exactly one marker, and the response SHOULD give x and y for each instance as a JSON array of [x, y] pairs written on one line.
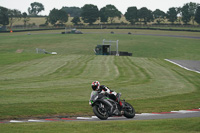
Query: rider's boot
[[122, 112], [121, 107], [116, 112]]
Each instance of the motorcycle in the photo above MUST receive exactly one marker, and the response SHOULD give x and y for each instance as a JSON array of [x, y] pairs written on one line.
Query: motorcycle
[[104, 107]]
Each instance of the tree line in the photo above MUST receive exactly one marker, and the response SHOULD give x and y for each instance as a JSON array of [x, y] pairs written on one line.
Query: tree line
[[90, 13]]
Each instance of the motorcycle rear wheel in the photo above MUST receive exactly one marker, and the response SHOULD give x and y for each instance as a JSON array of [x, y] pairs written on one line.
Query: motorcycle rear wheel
[[101, 113]]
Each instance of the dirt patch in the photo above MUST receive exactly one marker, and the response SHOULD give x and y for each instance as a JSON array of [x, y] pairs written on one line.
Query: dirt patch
[[19, 50]]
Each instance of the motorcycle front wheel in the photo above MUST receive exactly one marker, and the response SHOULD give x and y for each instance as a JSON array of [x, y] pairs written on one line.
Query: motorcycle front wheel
[[100, 112], [129, 111]]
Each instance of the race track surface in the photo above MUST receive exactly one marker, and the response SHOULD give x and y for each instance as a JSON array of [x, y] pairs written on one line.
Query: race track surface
[[192, 37], [164, 35], [142, 116], [187, 64]]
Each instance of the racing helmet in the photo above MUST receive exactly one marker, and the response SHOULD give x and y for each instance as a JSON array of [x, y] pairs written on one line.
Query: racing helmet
[[95, 85]]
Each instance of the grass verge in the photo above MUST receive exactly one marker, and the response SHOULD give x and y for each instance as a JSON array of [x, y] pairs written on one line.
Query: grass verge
[[185, 125]]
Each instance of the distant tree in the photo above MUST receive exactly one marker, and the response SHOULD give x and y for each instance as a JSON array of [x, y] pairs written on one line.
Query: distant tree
[[192, 10], [197, 15], [131, 15], [90, 13], [73, 11], [4, 20], [110, 11], [186, 16], [35, 8], [159, 15], [25, 18], [179, 13], [102, 15], [14, 15], [145, 15], [76, 20], [172, 15], [57, 16], [179, 10]]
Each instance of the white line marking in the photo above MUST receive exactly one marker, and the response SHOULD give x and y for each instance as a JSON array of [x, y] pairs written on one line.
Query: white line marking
[[84, 118], [14, 121], [137, 114], [94, 117], [36, 121], [184, 111], [149, 114], [181, 66]]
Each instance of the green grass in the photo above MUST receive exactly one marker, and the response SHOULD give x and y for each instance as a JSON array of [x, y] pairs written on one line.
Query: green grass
[[50, 85], [140, 46], [8, 58], [46, 85], [185, 125]]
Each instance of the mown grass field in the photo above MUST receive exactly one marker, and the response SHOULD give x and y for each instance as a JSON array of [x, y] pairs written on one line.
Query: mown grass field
[[34, 85]]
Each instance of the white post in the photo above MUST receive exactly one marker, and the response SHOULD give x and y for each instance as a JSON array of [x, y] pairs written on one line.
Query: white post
[[103, 41], [117, 53]]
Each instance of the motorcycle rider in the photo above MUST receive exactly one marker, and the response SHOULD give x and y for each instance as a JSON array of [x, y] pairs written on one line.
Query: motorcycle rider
[[105, 90]]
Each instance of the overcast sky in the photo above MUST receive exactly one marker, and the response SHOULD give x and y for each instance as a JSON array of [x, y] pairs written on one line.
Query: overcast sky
[[121, 5]]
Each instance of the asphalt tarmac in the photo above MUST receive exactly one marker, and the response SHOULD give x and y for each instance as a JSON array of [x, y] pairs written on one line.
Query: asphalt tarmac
[[142, 116], [190, 65], [152, 116]]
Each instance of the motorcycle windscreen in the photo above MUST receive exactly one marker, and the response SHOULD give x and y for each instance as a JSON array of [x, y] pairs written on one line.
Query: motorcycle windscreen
[[93, 93]]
